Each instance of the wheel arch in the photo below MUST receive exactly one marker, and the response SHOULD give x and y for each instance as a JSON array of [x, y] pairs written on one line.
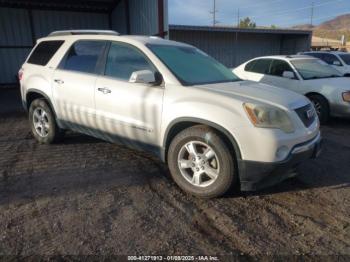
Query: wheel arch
[[33, 94], [313, 93], [182, 123]]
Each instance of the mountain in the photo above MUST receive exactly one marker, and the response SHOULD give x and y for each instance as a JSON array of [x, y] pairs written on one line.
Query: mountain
[[339, 23], [333, 29]]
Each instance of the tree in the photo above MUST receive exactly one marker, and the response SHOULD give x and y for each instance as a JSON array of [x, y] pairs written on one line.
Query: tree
[[247, 23], [273, 27]]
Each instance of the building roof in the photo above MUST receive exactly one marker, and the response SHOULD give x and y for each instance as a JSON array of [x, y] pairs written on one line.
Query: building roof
[[239, 30], [95, 6]]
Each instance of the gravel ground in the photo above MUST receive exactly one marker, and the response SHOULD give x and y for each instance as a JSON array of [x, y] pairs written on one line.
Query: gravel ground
[[86, 196]]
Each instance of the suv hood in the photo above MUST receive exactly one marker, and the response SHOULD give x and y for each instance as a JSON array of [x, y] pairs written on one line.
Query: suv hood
[[248, 91]]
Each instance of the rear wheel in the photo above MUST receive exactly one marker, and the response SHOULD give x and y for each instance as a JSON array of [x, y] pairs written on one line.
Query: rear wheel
[[201, 163], [43, 123], [321, 106]]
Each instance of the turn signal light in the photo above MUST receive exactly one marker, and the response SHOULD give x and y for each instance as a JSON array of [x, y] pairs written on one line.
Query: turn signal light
[[346, 96]]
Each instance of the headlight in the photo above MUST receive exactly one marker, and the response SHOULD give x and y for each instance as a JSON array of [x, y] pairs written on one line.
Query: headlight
[[346, 96], [269, 117]]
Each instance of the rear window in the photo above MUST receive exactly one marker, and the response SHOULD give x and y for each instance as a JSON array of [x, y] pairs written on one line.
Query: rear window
[[83, 56], [43, 52], [261, 66]]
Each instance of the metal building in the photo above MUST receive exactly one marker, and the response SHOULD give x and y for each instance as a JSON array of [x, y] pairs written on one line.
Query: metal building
[[24, 21], [233, 46]]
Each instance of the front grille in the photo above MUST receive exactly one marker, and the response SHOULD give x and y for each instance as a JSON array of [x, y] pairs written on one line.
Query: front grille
[[307, 114]]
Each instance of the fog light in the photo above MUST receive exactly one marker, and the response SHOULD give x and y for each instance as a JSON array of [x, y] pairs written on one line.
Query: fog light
[[346, 96], [282, 152]]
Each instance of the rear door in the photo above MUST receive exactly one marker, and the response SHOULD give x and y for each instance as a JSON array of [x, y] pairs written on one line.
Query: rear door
[[123, 109], [74, 82], [257, 69]]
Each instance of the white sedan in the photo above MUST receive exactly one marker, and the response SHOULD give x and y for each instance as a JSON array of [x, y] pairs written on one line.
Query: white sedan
[[321, 83]]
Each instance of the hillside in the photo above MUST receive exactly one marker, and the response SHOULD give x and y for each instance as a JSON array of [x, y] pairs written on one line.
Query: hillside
[[333, 29]]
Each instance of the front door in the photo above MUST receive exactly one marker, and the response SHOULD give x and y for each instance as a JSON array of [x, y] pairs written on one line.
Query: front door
[[123, 109], [275, 76]]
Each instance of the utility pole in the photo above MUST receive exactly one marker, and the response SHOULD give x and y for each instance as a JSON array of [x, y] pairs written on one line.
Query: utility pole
[[238, 18], [214, 13], [312, 13]]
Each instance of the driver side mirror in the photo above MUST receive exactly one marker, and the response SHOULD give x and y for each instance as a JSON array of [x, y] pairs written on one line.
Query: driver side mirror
[[143, 76], [146, 77], [288, 74]]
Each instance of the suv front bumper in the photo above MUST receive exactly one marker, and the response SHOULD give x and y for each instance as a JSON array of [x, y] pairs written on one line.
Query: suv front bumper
[[258, 175]]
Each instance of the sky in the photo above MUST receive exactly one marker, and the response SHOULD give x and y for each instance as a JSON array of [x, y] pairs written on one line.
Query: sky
[[282, 13]]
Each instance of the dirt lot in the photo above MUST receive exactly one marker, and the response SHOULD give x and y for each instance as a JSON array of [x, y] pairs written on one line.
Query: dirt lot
[[86, 196]]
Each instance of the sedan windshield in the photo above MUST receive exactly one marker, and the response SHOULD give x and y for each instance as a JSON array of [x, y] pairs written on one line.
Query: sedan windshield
[[314, 69], [346, 58], [192, 66]]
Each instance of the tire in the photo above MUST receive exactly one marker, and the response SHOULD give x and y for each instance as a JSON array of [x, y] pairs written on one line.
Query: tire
[[220, 167], [322, 107], [43, 123]]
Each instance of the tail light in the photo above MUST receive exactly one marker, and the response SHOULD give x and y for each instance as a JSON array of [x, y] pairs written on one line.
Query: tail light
[[20, 74]]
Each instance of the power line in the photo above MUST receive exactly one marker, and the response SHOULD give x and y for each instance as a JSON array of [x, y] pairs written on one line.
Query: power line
[[314, 19], [312, 13], [261, 4], [297, 9], [214, 13]]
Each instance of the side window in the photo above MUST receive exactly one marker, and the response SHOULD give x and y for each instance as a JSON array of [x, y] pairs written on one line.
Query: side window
[[43, 52], [83, 56], [249, 66], [331, 59], [124, 59], [261, 66], [278, 67]]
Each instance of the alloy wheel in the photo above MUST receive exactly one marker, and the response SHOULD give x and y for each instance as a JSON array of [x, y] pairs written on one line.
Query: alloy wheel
[[41, 122], [198, 163]]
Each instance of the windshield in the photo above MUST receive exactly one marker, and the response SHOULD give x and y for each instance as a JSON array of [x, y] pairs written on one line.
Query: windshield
[[345, 58], [314, 69], [192, 66]]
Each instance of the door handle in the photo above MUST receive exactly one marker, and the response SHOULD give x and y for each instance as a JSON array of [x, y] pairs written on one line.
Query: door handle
[[104, 90], [59, 81]]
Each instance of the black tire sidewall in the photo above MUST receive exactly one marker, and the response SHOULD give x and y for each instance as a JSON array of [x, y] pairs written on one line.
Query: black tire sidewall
[[227, 175], [50, 138], [324, 117]]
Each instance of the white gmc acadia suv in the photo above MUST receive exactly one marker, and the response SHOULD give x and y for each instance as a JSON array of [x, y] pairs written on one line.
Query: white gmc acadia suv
[[212, 129]]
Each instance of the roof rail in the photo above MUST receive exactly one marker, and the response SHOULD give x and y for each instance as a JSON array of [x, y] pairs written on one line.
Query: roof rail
[[83, 32]]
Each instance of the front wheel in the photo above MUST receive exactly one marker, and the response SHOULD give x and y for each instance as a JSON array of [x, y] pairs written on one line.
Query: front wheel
[[322, 107], [201, 163]]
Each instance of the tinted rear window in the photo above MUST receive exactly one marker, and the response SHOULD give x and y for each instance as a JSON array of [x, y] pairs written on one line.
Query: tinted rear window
[[261, 66], [83, 56], [43, 52]]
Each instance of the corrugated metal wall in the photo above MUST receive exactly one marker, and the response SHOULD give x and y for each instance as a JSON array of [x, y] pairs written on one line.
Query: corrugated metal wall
[[143, 17], [45, 21], [15, 42], [16, 37], [232, 49], [119, 23]]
